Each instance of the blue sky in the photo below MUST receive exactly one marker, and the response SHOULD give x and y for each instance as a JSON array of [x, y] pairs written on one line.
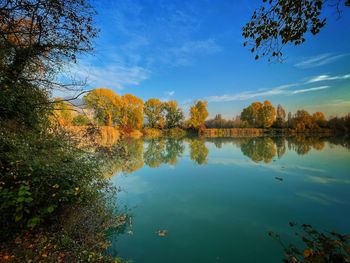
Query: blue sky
[[188, 50]]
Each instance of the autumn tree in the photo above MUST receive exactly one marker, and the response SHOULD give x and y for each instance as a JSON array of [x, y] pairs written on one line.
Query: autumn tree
[[319, 119], [37, 38], [154, 113], [198, 114], [63, 112], [251, 114], [266, 115], [259, 115], [278, 23], [132, 112], [102, 101], [302, 120], [173, 114]]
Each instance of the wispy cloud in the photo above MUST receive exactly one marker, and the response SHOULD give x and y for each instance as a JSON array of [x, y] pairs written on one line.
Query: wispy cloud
[[320, 60], [250, 94], [186, 53], [168, 95], [310, 89], [112, 75], [280, 90], [328, 77]]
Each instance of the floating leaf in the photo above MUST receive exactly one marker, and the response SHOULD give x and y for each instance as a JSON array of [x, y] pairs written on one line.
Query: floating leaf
[[162, 233]]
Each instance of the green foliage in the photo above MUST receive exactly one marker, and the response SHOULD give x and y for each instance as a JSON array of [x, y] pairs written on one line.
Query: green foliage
[[154, 113], [110, 109], [259, 115], [37, 178], [81, 120], [63, 111], [318, 247], [174, 116], [259, 149], [198, 151], [24, 105], [278, 23], [102, 102]]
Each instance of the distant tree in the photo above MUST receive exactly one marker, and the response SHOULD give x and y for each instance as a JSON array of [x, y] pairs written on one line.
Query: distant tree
[[198, 114], [154, 113], [174, 116], [132, 112], [289, 119], [320, 119], [341, 124], [266, 115], [278, 23], [63, 112], [302, 120], [281, 116], [259, 115], [102, 102], [251, 114]]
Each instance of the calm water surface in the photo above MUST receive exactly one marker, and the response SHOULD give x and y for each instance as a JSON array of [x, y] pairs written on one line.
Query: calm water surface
[[218, 198]]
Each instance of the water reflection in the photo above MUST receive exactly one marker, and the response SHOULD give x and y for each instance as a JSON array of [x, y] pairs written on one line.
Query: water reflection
[[160, 151], [198, 151], [132, 154]]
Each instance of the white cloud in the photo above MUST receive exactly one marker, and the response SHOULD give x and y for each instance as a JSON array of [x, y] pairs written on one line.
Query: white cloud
[[170, 93], [320, 60], [310, 89], [280, 90], [112, 75], [327, 77], [251, 94]]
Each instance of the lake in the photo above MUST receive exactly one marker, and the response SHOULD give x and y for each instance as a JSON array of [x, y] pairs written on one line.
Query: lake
[[217, 199]]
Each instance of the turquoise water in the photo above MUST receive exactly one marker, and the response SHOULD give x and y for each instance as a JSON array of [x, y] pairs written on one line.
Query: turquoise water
[[217, 199]]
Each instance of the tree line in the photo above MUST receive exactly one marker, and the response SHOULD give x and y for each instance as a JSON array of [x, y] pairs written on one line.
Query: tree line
[[129, 112], [265, 115]]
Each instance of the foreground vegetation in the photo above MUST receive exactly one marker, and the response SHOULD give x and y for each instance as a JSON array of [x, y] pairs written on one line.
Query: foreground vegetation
[[55, 201]]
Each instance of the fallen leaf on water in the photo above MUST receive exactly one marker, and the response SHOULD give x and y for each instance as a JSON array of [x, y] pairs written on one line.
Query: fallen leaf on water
[[162, 233]]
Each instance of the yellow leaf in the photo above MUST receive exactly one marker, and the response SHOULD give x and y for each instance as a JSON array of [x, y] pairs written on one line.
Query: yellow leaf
[[307, 253]]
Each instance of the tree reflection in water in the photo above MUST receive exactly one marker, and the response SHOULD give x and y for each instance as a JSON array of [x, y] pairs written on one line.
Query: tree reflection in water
[[159, 151], [198, 151], [131, 154]]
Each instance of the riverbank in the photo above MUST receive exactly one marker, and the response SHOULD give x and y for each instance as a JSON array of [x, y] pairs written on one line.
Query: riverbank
[[107, 136], [256, 132]]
